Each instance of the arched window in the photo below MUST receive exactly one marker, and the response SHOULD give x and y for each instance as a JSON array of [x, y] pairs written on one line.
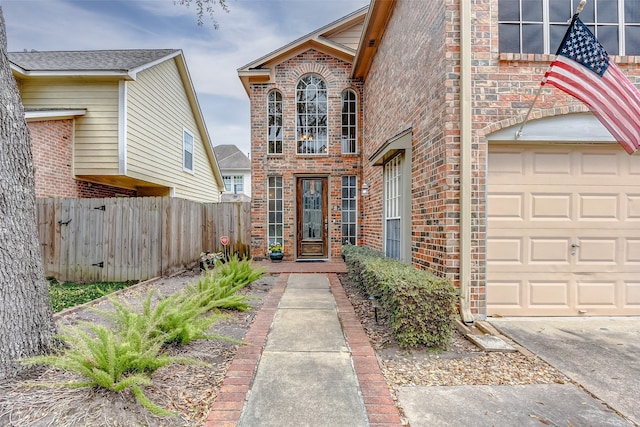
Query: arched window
[[349, 123], [311, 115], [275, 122]]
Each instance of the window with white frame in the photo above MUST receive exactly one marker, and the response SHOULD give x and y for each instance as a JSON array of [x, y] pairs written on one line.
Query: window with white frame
[[233, 184], [349, 210], [311, 115], [538, 26], [393, 207], [275, 219], [275, 122], [349, 121], [187, 156]]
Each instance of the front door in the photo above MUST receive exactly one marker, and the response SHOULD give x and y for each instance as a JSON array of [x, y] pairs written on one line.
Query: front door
[[312, 217]]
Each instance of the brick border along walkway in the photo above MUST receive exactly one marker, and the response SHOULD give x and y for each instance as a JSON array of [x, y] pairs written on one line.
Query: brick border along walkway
[[380, 406]]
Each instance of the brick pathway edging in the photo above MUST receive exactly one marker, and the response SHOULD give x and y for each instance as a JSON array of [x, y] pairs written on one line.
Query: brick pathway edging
[[380, 406], [227, 407]]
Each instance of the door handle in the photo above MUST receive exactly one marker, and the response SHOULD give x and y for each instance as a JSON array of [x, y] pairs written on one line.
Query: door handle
[[575, 245]]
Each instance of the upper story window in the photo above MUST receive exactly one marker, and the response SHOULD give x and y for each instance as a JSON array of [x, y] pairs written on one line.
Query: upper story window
[[187, 148], [538, 26], [311, 115], [349, 123], [275, 122], [233, 184]]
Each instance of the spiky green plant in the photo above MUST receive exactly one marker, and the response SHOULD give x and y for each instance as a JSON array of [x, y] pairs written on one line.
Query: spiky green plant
[[115, 361]]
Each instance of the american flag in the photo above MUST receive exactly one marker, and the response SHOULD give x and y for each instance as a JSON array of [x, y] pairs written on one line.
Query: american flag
[[582, 69]]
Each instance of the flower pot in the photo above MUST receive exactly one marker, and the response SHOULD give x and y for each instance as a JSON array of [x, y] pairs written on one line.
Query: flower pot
[[276, 256]]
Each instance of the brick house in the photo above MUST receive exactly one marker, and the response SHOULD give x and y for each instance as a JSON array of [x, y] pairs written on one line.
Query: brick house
[[100, 127], [542, 223]]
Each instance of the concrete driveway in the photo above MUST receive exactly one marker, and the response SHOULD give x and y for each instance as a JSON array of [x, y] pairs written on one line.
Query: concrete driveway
[[602, 354]]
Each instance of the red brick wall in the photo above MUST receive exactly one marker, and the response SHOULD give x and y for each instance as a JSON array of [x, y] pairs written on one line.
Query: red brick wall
[[408, 86], [52, 146], [289, 165]]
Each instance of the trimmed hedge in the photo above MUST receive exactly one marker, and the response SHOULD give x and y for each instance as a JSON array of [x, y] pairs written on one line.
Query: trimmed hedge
[[421, 306]]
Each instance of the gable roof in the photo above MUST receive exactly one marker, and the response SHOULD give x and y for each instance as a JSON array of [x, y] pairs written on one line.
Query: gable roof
[[89, 62], [325, 40], [230, 157], [120, 64]]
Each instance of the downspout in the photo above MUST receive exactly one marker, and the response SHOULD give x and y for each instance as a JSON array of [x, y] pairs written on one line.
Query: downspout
[[465, 161]]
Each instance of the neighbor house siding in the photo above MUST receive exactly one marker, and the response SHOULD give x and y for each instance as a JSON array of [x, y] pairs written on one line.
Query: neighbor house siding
[[96, 135], [158, 113]]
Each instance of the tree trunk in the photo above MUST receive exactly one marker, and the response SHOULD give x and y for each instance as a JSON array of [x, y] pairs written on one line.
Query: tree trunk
[[26, 319]]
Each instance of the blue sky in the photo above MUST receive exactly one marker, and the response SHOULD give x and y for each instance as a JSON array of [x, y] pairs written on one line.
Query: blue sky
[[251, 29]]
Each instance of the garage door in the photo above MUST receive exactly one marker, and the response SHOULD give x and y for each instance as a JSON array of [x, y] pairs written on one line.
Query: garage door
[[563, 231]]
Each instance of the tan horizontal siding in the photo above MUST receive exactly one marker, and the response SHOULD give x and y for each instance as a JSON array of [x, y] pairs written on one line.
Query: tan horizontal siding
[[349, 37], [158, 112], [98, 126]]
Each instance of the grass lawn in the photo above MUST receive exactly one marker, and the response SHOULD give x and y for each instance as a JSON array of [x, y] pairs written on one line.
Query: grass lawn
[[69, 294]]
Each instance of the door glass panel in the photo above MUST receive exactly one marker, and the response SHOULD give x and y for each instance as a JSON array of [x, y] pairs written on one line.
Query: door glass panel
[[312, 209]]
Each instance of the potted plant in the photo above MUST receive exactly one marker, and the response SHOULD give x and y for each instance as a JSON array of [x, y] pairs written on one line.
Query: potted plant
[[275, 252], [208, 259]]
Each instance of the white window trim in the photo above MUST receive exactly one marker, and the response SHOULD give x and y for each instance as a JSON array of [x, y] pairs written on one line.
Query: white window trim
[[184, 150], [349, 90]]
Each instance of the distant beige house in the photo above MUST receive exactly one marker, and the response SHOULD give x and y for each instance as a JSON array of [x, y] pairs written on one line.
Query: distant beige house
[[235, 167], [116, 122]]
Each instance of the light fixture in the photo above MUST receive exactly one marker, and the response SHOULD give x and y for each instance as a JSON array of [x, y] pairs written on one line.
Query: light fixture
[[365, 189], [375, 306]]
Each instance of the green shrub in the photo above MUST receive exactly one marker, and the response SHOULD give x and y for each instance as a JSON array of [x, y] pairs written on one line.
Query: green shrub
[[421, 306]]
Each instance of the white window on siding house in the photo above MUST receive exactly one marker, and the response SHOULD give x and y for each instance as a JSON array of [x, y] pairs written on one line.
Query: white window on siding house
[[233, 184], [538, 26], [393, 207], [349, 122], [275, 122], [275, 210], [349, 210], [311, 115], [187, 156], [238, 181]]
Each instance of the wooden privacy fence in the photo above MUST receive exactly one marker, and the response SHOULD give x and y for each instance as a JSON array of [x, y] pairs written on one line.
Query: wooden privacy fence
[[135, 238]]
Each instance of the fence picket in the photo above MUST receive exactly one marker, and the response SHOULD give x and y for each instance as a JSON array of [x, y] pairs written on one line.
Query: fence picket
[[135, 238]]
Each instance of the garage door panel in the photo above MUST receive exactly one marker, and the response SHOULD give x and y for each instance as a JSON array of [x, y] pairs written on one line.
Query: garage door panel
[[505, 251], [632, 294], [507, 206], [632, 251], [599, 164], [549, 251], [558, 163], [547, 293], [546, 206], [633, 207], [563, 231], [603, 207], [596, 294]]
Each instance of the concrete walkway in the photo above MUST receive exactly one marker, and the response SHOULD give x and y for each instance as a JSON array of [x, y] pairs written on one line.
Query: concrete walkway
[[308, 363]]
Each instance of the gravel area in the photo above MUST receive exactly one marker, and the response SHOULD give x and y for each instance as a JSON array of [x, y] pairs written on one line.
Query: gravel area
[[462, 364]]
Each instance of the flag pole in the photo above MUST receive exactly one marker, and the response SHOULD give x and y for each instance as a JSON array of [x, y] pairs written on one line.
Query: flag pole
[[526, 118]]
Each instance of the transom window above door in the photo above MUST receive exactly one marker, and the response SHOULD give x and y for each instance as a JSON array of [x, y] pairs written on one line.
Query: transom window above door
[[311, 115]]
